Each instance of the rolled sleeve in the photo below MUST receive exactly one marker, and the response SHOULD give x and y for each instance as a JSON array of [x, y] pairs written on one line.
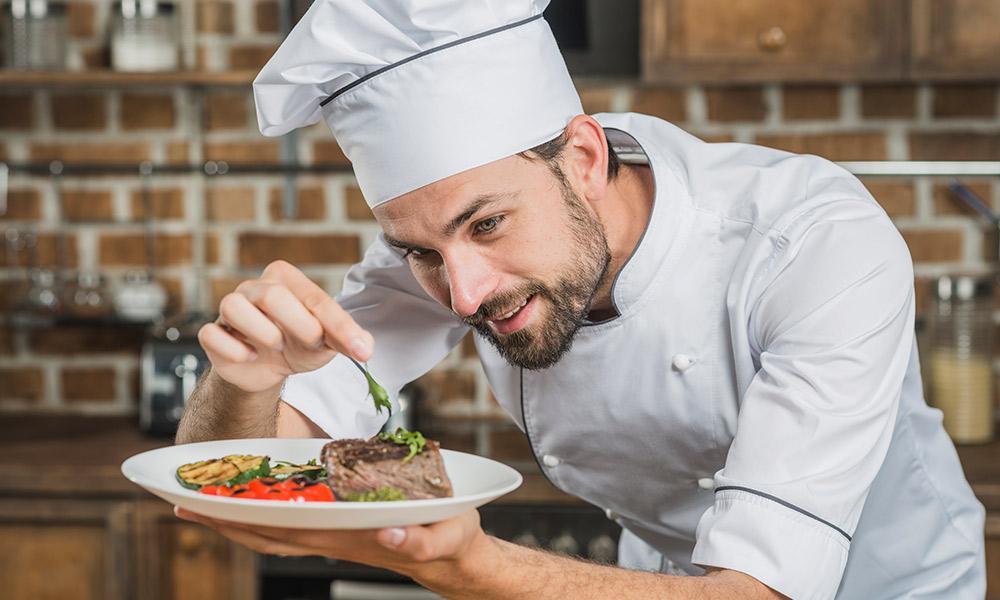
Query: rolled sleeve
[[833, 329]]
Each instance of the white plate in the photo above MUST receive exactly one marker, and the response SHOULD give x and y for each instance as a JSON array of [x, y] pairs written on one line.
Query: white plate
[[476, 481]]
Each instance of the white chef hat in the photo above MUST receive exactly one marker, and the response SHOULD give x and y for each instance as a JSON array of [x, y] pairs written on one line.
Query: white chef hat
[[418, 90]]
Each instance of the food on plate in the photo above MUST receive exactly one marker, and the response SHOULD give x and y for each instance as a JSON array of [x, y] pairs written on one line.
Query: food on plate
[[401, 465], [396, 466]]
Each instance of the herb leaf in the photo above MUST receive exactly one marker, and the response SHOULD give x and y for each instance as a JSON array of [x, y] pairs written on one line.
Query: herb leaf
[[414, 439]]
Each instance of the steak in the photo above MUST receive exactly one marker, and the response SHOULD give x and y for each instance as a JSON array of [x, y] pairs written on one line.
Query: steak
[[356, 466]]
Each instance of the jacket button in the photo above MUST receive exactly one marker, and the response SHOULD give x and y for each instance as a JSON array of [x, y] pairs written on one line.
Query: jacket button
[[611, 515], [706, 483], [682, 362], [550, 461]]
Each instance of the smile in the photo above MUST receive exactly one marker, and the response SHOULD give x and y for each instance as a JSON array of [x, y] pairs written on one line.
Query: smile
[[512, 312]]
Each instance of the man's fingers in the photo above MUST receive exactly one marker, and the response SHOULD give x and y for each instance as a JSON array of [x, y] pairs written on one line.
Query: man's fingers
[[341, 331], [215, 340], [240, 314], [281, 306]]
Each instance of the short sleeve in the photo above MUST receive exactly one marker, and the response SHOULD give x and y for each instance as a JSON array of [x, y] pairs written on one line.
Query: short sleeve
[[833, 328], [412, 333]]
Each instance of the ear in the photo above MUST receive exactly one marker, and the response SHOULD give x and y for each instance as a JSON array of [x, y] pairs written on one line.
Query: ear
[[585, 157]]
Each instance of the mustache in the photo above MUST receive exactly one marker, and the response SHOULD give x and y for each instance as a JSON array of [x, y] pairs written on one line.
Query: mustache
[[501, 302]]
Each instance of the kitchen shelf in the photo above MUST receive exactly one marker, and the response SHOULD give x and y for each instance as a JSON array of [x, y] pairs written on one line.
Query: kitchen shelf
[[118, 79]]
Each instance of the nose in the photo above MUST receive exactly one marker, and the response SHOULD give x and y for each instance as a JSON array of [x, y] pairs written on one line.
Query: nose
[[470, 281]]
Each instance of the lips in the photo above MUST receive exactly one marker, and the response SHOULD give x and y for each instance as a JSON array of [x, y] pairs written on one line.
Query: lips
[[516, 318], [511, 312]]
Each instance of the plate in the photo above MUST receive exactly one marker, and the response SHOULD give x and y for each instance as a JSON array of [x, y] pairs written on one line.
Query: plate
[[476, 481]]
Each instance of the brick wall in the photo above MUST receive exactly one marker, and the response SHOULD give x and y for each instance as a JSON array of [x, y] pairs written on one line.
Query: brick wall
[[213, 231]]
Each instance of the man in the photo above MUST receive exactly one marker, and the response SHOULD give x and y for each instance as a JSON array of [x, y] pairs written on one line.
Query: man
[[713, 342]]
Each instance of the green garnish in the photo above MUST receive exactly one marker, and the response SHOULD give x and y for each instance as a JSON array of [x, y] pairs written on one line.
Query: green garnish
[[414, 439], [379, 396], [383, 494]]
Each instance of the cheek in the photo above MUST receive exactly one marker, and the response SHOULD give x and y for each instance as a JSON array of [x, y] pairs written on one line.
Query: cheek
[[435, 283]]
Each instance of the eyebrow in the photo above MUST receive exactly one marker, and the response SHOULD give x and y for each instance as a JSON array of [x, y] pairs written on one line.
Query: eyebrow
[[481, 201]]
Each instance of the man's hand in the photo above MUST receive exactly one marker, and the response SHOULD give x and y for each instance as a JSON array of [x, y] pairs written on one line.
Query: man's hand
[[280, 324]]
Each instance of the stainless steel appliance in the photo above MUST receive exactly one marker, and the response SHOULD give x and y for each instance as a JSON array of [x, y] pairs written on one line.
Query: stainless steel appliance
[[170, 365]]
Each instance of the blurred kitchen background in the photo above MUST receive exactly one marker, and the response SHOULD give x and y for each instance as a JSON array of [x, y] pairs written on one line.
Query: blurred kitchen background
[[136, 191]]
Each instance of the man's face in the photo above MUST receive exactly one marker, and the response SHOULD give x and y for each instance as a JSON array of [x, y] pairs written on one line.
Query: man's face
[[509, 248]]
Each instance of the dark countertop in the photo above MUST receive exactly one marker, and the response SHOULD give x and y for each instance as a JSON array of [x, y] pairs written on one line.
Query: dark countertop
[[80, 456]]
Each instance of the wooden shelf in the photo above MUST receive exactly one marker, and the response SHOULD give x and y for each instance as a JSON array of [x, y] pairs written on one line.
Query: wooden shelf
[[115, 78]]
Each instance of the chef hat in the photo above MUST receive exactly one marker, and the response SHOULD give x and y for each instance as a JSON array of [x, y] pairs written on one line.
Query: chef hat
[[418, 90]]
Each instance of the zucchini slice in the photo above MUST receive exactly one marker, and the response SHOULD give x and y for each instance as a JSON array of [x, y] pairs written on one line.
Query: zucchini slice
[[230, 470]]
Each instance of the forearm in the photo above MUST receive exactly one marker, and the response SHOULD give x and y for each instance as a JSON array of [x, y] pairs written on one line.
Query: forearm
[[501, 570], [219, 410]]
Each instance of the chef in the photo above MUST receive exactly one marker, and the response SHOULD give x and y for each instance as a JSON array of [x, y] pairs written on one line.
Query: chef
[[712, 342]]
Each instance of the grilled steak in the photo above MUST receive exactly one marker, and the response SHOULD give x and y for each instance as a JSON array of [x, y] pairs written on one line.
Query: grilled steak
[[356, 467]]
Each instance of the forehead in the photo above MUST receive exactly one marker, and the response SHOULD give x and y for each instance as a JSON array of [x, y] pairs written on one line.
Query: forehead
[[436, 202]]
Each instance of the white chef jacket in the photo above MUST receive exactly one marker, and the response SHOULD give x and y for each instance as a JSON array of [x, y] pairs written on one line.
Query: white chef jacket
[[756, 404]]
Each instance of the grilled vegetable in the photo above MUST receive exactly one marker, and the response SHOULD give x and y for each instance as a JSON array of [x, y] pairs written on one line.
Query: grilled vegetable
[[230, 470]]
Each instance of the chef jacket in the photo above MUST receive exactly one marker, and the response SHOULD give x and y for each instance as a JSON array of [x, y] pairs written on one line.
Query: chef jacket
[[756, 405]]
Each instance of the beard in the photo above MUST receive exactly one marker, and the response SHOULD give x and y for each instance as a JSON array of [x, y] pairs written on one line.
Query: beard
[[569, 296]]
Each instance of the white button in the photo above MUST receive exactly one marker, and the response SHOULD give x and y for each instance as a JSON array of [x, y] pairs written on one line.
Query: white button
[[550, 461], [706, 483], [682, 362], [611, 515]]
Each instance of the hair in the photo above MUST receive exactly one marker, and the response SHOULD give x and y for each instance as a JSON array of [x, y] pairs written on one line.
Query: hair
[[551, 151]]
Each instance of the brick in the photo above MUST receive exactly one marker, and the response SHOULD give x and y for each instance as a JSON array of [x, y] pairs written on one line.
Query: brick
[[954, 145], [939, 245], [17, 111], [896, 197], [230, 203], [79, 206], [214, 16], [13, 293], [665, 103], [893, 101], [23, 204], [810, 102], [442, 386], [177, 152], [717, 138], [595, 99], [259, 249], [510, 445], [736, 103], [923, 294], [212, 249], [221, 286], [946, 203], [226, 110], [78, 339], [6, 341], [91, 153], [80, 19], [147, 111], [22, 383], [357, 208], [88, 384], [965, 100], [166, 203], [311, 205], [175, 294], [266, 16], [250, 57], [129, 249], [79, 111], [832, 146], [328, 152], [96, 57], [49, 246], [242, 152]]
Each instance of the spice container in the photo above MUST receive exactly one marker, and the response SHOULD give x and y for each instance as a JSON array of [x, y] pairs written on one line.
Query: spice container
[[144, 36], [960, 359], [35, 34]]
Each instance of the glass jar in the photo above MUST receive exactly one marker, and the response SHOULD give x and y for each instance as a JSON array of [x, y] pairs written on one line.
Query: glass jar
[[960, 357], [144, 36], [35, 32]]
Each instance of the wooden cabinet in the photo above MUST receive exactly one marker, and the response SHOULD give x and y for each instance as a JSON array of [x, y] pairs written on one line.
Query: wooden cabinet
[[725, 41], [955, 39], [744, 40]]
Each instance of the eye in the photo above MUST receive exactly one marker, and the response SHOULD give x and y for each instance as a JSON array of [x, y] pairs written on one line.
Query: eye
[[488, 225]]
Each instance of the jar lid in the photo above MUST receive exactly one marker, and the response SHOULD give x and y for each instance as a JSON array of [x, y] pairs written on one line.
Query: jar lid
[[962, 287], [33, 9], [146, 9]]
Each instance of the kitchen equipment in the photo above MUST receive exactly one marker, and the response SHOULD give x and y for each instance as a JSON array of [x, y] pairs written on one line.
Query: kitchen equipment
[[170, 365], [36, 33], [144, 36], [475, 480], [87, 297], [960, 361], [140, 298]]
